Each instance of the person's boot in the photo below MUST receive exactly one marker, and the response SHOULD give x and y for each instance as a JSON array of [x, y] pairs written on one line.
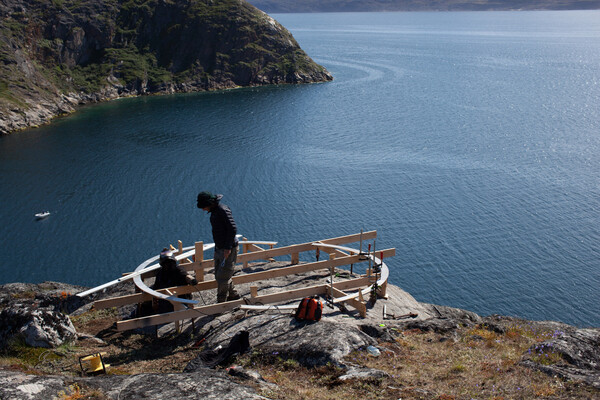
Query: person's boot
[[233, 295]]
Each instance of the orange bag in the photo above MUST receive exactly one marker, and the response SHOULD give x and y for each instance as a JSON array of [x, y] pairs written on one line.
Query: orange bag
[[309, 309]]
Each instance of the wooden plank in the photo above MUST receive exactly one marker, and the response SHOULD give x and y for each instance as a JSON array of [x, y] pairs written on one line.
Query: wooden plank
[[297, 269], [269, 307], [178, 315], [266, 254], [222, 307], [238, 279], [296, 248], [198, 258], [141, 297], [382, 290], [142, 270], [244, 258], [360, 306], [330, 250]]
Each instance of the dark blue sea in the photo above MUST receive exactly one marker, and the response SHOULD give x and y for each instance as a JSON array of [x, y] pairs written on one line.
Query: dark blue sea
[[469, 141]]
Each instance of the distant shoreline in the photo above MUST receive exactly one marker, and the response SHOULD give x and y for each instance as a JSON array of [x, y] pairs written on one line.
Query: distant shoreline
[[330, 6]]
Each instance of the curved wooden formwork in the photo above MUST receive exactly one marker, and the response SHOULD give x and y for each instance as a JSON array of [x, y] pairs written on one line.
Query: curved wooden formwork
[[192, 258]]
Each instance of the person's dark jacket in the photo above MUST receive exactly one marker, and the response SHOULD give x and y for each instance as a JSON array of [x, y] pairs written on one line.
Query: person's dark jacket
[[223, 226], [171, 274]]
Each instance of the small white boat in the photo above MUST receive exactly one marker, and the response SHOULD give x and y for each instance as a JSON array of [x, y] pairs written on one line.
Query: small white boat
[[42, 214]]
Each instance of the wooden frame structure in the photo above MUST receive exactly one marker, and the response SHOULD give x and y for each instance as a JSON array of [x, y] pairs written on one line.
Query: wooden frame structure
[[192, 258]]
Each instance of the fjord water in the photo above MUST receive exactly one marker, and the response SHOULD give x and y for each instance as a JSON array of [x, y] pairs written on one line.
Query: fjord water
[[469, 141]]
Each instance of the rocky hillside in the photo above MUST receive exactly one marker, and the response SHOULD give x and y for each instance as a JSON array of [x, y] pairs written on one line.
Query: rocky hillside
[[56, 54], [296, 6], [411, 350]]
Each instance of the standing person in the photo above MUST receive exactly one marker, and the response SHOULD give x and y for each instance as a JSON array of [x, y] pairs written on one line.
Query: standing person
[[226, 244]]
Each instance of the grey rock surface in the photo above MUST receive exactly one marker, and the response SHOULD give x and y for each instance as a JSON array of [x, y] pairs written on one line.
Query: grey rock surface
[[276, 332], [205, 384], [354, 373], [309, 343], [36, 327], [19, 386]]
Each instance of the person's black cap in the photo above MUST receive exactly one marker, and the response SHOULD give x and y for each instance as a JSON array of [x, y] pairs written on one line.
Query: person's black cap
[[207, 199]]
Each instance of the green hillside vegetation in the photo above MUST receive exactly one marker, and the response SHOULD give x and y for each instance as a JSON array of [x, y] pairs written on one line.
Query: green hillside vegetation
[[109, 48]]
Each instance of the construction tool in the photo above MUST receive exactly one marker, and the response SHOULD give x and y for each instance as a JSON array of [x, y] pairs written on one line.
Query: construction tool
[[393, 316], [96, 363]]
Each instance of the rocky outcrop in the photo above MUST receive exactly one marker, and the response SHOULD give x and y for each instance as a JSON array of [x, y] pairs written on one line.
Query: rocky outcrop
[[60, 54], [204, 384], [36, 328], [277, 334]]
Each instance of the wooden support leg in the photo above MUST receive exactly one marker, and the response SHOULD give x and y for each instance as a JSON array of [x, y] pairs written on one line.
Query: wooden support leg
[[177, 306], [245, 249], [382, 290], [199, 257]]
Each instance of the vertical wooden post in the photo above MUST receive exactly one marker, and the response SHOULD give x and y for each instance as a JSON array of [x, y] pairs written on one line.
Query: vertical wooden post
[[177, 306], [295, 258], [245, 249], [199, 257], [179, 247], [331, 272], [382, 290], [253, 291]]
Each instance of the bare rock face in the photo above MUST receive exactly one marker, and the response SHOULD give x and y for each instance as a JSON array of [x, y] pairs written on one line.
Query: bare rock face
[[205, 384], [19, 386], [37, 328], [38, 313], [309, 343], [579, 348], [202, 384], [277, 333]]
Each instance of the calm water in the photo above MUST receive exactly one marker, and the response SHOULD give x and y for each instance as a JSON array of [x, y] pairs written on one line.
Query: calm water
[[469, 141]]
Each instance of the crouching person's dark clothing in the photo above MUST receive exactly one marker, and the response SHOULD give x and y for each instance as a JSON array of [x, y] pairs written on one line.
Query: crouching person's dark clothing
[[169, 275]]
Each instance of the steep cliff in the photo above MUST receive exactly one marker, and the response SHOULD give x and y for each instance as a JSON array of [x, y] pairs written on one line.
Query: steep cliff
[[60, 53]]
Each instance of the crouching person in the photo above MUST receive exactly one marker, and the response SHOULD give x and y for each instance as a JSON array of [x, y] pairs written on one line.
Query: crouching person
[[169, 275]]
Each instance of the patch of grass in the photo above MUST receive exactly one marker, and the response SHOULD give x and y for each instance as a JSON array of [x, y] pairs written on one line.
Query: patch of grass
[[26, 294], [81, 320], [77, 392], [6, 94], [27, 356], [475, 363], [545, 354]]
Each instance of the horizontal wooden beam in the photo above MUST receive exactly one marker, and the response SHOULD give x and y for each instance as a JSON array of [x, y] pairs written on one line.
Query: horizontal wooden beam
[[360, 306], [230, 305], [282, 251], [297, 248], [238, 279]]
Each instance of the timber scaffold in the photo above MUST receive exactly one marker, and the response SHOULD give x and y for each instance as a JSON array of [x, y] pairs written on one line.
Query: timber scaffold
[[341, 291]]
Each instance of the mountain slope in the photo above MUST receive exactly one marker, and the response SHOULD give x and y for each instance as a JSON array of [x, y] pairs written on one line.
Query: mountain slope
[[60, 53]]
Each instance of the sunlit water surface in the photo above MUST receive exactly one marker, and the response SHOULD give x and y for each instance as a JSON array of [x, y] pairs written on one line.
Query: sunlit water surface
[[469, 141]]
